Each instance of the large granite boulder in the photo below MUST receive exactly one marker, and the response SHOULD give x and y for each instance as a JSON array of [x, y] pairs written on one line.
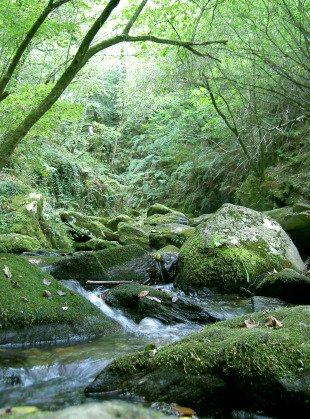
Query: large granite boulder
[[35, 308], [288, 285], [258, 362], [235, 245], [139, 301], [126, 263], [296, 222]]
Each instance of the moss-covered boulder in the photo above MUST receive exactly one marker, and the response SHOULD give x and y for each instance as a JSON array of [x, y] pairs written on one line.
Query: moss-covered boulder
[[253, 363], [126, 263], [140, 301], [170, 234], [23, 214], [35, 308], [288, 285], [158, 219], [161, 209], [194, 222], [131, 234], [82, 228], [235, 245], [296, 222], [95, 244], [122, 218], [17, 243]]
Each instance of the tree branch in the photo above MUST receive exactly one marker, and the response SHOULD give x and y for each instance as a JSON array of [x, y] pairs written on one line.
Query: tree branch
[[25, 43], [134, 17]]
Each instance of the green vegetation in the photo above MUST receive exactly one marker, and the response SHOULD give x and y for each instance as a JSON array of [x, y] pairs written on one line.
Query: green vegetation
[[221, 118]]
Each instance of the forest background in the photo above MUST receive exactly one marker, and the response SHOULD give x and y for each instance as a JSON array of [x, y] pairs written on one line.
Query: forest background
[[188, 103]]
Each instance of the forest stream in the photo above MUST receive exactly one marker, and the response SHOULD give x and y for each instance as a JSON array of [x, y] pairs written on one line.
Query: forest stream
[[55, 377]]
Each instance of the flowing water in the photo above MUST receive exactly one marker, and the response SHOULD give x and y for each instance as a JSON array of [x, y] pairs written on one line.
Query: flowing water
[[55, 377]]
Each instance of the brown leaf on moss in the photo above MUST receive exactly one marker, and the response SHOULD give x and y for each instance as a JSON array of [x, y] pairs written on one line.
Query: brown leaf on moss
[[273, 323], [250, 323], [183, 411], [15, 284], [143, 293]]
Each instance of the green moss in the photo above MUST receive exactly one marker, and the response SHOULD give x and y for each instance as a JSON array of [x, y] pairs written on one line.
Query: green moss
[[15, 312], [227, 348], [17, 243], [81, 225]]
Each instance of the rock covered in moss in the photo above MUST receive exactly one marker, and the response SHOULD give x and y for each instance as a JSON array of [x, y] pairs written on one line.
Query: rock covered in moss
[[296, 222], [139, 301], [288, 285], [233, 246], [95, 244], [17, 243], [131, 234], [122, 218], [170, 234], [82, 227], [126, 263], [161, 209], [249, 363], [35, 307]]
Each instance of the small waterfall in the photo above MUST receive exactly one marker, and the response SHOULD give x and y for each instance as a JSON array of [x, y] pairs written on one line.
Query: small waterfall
[[95, 299]]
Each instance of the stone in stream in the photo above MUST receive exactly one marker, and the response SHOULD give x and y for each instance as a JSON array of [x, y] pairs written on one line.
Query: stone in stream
[[139, 301], [27, 318], [288, 285], [126, 263], [234, 246], [239, 363]]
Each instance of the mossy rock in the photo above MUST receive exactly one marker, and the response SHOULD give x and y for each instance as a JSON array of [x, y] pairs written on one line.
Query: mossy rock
[[28, 317], [95, 244], [170, 234], [158, 219], [26, 216], [114, 222], [130, 234], [82, 227], [295, 223], [167, 258], [235, 245], [168, 249], [223, 367], [156, 304], [288, 285], [17, 243], [131, 263], [194, 222], [161, 209]]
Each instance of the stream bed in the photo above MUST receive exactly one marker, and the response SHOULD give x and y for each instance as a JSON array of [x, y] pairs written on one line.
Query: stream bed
[[52, 378]]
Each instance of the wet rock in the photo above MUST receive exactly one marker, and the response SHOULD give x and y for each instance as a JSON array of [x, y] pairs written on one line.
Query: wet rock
[[26, 318], [106, 410], [95, 244], [288, 285], [223, 367], [235, 245], [139, 302], [167, 259], [170, 234], [126, 263]]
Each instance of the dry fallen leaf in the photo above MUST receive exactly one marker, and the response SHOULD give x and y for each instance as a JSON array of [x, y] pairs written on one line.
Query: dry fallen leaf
[[250, 323], [273, 323], [3, 258], [183, 411], [46, 282], [61, 293], [154, 299], [15, 284], [174, 299], [7, 272], [143, 293], [47, 294], [24, 299]]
